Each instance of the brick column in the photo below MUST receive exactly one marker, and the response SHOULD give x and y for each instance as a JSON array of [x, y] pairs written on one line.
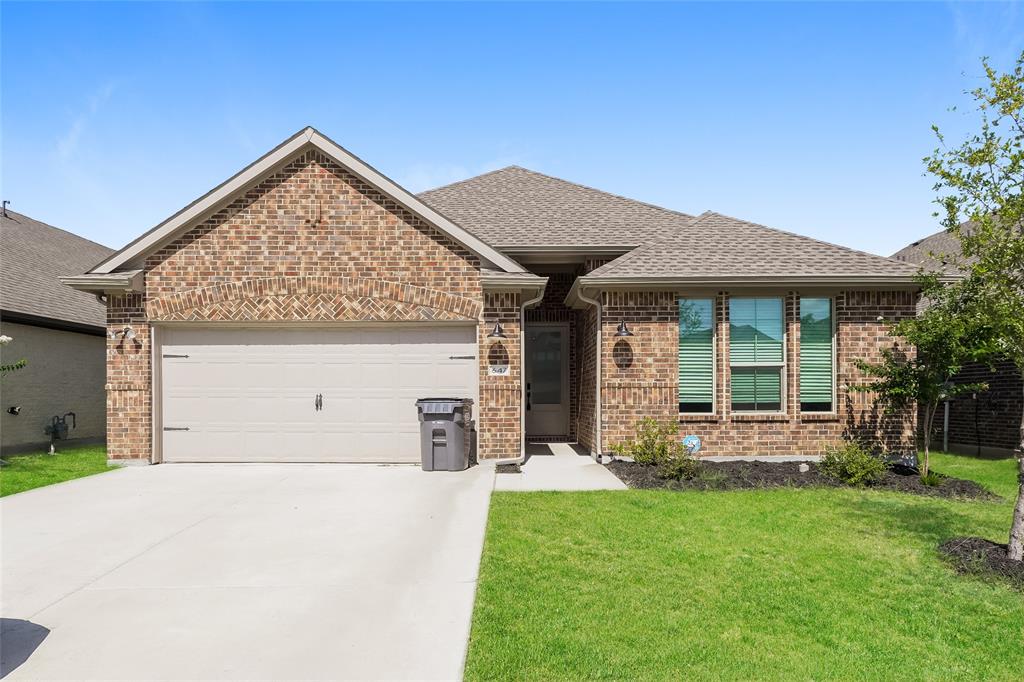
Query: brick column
[[499, 425], [129, 400]]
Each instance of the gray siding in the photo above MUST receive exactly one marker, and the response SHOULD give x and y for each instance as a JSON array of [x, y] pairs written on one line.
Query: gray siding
[[66, 373]]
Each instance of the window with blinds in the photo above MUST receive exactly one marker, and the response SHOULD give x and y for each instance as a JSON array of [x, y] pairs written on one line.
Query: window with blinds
[[696, 355], [816, 355], [756, 353]]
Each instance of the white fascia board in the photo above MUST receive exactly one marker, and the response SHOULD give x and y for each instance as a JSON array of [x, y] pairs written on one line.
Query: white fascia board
[[257, 170], [130, 280], [512, 282], [591, 284]]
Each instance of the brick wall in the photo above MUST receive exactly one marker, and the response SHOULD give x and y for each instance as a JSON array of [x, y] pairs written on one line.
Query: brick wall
[[309, 243], [987, 420], [500, 396], [129, 398], [640, 377]]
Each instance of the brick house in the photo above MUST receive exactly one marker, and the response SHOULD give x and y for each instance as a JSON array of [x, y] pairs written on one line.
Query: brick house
[[297, 310], [985, 422]]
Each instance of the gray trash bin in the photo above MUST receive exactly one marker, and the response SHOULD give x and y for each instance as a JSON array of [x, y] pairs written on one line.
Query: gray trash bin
[[443, 437]]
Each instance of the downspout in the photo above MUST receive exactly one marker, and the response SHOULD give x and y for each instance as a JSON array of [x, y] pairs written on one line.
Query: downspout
[[596, 452]]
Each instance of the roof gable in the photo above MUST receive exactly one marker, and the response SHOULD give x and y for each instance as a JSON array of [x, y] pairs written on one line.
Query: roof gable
[[518, 209], [308, 137], [715, 247], [34, 255]]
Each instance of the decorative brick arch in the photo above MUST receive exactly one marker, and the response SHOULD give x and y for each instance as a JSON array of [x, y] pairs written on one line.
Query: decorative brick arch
[[312, 298]]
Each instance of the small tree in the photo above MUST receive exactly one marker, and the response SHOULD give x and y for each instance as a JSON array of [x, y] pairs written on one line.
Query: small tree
[[945, 340], [980, 184], [12, 366]]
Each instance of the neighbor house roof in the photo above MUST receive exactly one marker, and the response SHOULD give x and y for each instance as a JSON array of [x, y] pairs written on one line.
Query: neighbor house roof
[[131, 255], [717, 248], [518, 210], [32, 256], [935, 249]]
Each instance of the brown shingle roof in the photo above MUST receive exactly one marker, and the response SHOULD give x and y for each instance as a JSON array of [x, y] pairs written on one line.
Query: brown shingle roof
[[715, 247], [932, 250], [32, 256], [515, 207]]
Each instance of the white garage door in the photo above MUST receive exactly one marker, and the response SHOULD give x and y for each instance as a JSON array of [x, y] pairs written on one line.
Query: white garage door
[[306, 395]]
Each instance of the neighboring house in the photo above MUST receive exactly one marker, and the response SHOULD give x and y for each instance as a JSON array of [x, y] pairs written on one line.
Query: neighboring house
[[986, 422], [297, 311], [59, 332]]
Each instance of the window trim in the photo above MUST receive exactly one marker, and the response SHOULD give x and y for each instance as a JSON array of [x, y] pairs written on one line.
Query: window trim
[[835, 357], [781, 366], [714, 354]]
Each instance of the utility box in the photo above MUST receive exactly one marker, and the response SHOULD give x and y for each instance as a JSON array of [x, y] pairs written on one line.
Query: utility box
[[444, 435]]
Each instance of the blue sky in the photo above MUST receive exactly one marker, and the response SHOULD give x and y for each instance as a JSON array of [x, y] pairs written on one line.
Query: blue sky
[[807, 117]]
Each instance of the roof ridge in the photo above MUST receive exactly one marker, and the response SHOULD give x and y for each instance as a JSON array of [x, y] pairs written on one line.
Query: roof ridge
[[604, 192], [564, 181], [60, 229], [806, 238], [469, 179]]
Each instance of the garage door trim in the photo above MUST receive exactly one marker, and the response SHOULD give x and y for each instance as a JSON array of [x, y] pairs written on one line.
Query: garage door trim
[[157, 334]]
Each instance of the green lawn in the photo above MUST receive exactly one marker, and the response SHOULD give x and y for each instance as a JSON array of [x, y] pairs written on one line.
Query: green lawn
[[779, 584], [24, 472]]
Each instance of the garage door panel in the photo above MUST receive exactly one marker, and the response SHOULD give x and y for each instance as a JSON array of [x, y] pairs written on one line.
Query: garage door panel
[[249, 394]]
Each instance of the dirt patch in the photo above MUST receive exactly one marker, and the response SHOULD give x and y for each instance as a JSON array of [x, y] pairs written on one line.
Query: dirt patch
[[508, 469], [750, 475], [978, 556]]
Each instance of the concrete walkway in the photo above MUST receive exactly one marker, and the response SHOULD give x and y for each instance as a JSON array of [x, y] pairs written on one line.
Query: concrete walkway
[[243, 572], [558, 466]]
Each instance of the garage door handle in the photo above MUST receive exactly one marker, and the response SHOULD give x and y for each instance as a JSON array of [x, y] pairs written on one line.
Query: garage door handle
[[462, 357], [175, 428], [172, 355]]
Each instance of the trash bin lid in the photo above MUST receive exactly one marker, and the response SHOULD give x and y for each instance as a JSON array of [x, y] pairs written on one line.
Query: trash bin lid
[[441, 405]]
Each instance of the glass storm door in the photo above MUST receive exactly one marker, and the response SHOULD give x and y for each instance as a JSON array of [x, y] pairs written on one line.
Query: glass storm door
[[547, 380]]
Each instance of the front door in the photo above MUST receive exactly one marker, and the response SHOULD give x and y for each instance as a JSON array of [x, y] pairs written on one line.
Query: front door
[[547, 380]]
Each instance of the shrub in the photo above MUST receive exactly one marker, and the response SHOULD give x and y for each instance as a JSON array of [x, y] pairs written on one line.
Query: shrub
[[932, 479], [852, 464], [678, 466], [657, 444]]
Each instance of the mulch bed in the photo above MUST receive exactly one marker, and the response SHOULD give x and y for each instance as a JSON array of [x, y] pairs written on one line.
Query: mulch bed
[[978, 556], [750, 475], [508, 469]]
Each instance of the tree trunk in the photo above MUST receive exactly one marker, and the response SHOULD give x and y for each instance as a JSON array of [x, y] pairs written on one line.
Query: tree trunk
[[929, 417], [1016, 548]]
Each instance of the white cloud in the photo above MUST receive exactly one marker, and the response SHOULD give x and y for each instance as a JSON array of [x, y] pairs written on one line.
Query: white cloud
[[67, 144]]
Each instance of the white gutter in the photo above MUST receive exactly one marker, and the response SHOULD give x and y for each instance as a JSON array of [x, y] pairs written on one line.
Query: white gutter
[[100, 283], [596, 451]]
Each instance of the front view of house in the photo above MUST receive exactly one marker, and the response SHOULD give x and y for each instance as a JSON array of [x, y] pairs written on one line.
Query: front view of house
[[297, 311]]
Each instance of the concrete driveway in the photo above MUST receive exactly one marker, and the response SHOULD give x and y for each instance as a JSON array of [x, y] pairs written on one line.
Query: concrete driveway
[[243, 571]]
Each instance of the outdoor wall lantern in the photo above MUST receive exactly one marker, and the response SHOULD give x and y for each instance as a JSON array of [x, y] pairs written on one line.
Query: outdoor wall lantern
[[623, 330], [128, 333], [498, 332]]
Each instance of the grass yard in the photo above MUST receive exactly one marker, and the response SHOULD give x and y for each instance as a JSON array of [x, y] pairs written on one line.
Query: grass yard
[[774, 584], [24, 472]]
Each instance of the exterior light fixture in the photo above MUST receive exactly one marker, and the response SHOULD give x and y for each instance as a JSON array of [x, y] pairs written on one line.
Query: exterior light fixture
[[497, 332], [623, 330], [127, 333]]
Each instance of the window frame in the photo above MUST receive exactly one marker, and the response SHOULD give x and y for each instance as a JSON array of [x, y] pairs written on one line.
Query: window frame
[[714, 354], [834, 328], [781, 366]]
